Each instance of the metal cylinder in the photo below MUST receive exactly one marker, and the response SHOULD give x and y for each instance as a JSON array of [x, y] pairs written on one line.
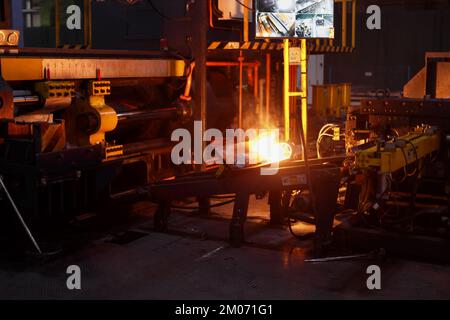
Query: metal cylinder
[[26, 100], [156, 114], [148, 145]]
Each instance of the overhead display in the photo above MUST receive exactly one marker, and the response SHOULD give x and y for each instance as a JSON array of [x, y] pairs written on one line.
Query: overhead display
[[294, 18]]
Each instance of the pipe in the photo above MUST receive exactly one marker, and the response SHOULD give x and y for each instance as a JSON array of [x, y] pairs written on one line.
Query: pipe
[[156, 114], [200, 50], [187, 90], [344, 23], [268, 77], [246, 20], [147, 146], [241, 84], [25, 100], [19, 216], [286, 95], [231, 64], [353, 24], [261, 102], [256, 82]]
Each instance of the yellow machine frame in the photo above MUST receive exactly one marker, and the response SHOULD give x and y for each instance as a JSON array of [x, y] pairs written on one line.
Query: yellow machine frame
[[396, 155]]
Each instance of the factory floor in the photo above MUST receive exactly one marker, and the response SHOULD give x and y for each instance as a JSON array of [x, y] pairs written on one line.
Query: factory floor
[[128, 260]]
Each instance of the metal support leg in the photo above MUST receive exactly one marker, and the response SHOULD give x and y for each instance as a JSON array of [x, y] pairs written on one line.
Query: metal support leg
[[276, 208], [326, 189], [204, 204], [238, 221], [22, 221], [161, 217]]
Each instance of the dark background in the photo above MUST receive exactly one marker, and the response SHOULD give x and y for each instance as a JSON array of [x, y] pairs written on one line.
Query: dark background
[[394, 54]]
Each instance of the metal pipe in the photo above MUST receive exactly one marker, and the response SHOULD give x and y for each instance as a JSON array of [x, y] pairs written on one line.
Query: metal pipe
[[187, 90], [147, 146], [256, 83], [268, 77], [286, 95], [246, 20], [241, 84], [261, 102], [353, 24], [200, 30], [231, 64], [26, 100], [156, 114], [344, 23], [22, 221]]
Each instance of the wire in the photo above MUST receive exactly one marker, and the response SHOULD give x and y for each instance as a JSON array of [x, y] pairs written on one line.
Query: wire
[[407, 174], [245, 6], [162, 15], [323, 133]]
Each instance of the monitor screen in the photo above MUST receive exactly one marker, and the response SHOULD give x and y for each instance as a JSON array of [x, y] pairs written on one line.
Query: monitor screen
[[294, 18]]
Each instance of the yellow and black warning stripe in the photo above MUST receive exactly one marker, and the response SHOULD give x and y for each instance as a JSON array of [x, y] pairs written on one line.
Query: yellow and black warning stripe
[[75, 46], [276, 46]]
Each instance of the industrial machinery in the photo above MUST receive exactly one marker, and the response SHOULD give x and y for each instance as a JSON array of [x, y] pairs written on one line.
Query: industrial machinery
[[78, 126], [81, 126], [398, 167]]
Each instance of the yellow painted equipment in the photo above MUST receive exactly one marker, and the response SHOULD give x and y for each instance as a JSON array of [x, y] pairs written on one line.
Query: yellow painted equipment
[[9, 38], [56, 89], [99, 117], [398, 154], [331, 99], [303, 93], [34, 69]]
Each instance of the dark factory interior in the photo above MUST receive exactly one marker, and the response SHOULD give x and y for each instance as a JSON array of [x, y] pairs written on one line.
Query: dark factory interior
[[224, 150]]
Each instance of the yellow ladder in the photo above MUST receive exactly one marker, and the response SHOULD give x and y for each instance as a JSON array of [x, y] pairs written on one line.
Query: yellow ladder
[[303, 93]]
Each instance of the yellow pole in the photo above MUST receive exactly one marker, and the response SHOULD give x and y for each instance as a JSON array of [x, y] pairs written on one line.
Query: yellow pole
[[286, 90], [304, 87], [268, 77]]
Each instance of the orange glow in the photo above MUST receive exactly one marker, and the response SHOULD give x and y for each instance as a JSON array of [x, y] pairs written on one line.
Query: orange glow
[[267, 148]]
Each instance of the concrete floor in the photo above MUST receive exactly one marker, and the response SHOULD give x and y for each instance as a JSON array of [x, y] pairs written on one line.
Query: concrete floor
[[194, 261]]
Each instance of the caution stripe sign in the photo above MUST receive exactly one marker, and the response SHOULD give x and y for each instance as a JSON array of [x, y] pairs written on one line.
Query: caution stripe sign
[[314, 48]]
